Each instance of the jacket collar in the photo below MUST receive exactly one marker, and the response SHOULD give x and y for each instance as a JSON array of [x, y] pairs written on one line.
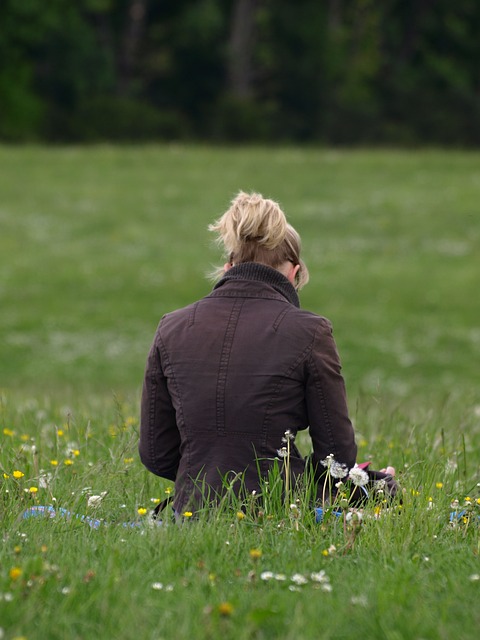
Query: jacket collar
[[261, 273]]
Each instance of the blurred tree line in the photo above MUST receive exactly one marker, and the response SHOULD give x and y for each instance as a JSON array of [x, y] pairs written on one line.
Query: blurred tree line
[[327, 71]]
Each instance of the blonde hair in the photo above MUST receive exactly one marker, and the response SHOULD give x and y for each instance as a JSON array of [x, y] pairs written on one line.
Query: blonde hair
[[255, 229]]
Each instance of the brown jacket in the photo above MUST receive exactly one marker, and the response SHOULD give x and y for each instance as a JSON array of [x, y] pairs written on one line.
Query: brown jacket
[[229, 374]]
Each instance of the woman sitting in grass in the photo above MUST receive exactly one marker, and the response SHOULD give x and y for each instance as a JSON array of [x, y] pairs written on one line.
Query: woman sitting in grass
[[232, 378]]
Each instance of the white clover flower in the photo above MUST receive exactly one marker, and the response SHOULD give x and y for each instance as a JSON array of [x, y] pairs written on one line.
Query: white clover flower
[[326, 586], [358, 476], [280, 577], [474, 577], [298, 579], [157, 586]]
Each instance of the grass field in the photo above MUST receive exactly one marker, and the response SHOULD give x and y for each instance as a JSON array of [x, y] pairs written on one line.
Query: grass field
[[96, 244]]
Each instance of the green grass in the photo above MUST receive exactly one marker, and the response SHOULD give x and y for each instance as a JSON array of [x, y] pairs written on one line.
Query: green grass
[[96, 244]]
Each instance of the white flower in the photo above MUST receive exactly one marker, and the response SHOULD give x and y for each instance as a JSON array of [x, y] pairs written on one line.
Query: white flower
[[94, 501], [44, 480], [358, 476], [356, 516], [360, 600], [158, 586], [326, 586], [282, 453], [298, 579], [474, 577], [320, 576], [266, 575], [280, 577]]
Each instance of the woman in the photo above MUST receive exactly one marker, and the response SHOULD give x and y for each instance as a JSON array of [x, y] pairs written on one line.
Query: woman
[[229, 375]]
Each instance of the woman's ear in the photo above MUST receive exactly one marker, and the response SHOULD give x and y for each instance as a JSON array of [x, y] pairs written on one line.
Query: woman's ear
[[227, 266], [292, 273]]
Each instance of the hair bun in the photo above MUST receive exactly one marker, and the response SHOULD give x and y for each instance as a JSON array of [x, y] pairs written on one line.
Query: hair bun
[[251, 218]]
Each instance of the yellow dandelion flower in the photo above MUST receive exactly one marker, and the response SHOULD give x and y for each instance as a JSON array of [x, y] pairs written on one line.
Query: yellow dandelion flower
[[17, 548], [75, 452], [225, 609], [68, 462], [141, 511], [60, 433], [468, 499], [325, 552], [44, 548], [15, 573], [54, 463], [187, 514], [24, 437], [240, 515], [8, 432], [155, 500], [130, 421], [439, 485], [128, 460], [168, 491], [33, 489], [478, 501], [6, 476], [18, 474], [414, 492], [255, 554]]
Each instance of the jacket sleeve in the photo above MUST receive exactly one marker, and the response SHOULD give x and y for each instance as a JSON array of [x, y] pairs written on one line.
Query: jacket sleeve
[[331, 430], [159, 445]]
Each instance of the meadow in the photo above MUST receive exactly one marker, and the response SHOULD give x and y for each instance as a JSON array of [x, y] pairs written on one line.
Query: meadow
[[96, 244]]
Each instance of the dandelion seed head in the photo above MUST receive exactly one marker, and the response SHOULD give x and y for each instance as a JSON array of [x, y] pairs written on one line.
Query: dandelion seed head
[[358, 476]]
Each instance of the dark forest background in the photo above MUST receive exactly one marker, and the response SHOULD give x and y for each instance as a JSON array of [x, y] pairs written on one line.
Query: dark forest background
[[402, 72]]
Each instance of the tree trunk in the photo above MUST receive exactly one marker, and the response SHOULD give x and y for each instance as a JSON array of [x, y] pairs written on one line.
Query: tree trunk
[[242, 38], [129, 47]]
